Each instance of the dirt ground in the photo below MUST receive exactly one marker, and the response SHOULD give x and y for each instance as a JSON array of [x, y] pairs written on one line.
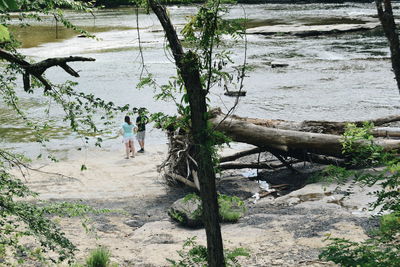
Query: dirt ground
[[284, 231]]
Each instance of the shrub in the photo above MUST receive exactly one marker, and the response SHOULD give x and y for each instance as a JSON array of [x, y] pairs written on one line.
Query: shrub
[[231, 208], [99, 257], [383, 247], [193, 255]]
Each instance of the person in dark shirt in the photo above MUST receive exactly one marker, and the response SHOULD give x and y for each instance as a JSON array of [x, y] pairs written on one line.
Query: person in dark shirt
[[141, 122]]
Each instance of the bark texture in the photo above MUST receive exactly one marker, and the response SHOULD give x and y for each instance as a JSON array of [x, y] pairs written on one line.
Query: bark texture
[[287, 142], [201, 165], [385, 14], [313, 126]]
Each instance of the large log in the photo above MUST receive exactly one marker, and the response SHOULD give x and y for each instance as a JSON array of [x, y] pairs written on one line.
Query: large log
[[314, 126], [287, 141]]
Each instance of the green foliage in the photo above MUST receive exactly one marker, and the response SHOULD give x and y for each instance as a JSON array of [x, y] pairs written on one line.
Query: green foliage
[[358, 145], [204, 32], [332, 174], [8, 5], [99, 257], [383, 248], [389, 226], [4, 34], [371, 253], [231, 208], [19, 219], [22, 221], [176, 216], [195, 255], [190, 197]]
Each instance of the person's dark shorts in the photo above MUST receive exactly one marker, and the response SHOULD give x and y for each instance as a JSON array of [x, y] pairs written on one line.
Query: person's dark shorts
[[141, 135]]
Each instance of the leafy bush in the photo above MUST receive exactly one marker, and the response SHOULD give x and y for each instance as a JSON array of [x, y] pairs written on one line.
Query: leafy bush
[[390, 226], [358, 145], [382, 249], [371, 253], [195, 255], [231, 208]]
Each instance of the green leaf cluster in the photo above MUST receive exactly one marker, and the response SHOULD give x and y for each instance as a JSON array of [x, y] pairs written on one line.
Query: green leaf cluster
[[383, 247], [8, 5], [231, 208], [32, 220], [371, 253], [195, 255], [358, 146]]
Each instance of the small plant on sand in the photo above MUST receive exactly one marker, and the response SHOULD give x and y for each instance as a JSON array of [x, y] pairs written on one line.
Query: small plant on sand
[[99, 257], [231, 208], [195, 255]]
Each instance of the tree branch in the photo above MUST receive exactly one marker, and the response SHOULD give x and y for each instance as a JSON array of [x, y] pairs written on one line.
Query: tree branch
[[169, 30], [241, 154], [37, 69]]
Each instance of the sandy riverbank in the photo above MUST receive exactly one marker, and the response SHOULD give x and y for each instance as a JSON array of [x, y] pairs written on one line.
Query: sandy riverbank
[[287, 231]]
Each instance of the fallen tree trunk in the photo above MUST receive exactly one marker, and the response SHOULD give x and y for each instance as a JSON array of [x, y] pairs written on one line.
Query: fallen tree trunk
[[326, 127], [287, 141]]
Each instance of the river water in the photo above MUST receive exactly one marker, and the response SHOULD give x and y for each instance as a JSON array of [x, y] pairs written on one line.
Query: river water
[[334, 77]]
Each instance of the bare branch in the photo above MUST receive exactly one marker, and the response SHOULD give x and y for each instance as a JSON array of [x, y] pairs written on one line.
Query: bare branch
[[241, 154], [37, 69]]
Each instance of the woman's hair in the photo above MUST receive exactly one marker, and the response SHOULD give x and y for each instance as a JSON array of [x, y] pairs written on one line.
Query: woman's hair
[[128, 120]]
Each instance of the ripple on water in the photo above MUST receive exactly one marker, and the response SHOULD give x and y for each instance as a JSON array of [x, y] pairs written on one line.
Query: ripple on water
[[338, 77]]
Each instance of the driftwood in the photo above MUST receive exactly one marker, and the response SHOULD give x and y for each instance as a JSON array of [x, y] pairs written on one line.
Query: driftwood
[[241, 154], [235, 93], [287, 141], [181, 179], [327, 127], [252, 165]]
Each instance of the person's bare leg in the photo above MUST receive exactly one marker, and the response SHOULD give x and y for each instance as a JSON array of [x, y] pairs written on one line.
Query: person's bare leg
[[141, 143], [132, 146], [127, 150]]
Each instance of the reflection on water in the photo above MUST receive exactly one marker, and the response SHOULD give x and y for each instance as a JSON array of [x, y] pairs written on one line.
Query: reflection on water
[[37, 35], [335, 77]]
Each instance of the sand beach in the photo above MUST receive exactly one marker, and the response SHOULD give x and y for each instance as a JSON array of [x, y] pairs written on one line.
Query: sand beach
[[285, 231]]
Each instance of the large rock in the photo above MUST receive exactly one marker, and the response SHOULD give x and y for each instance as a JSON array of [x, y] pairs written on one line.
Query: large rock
[[187, 211], [312, 30]]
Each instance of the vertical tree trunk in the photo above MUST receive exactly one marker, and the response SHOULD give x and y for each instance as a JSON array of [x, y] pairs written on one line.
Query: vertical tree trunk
[[188, 68], [202, 156], [385, 14]]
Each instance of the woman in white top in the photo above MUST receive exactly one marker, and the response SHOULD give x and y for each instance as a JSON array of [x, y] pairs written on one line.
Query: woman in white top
[[128, 130]]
